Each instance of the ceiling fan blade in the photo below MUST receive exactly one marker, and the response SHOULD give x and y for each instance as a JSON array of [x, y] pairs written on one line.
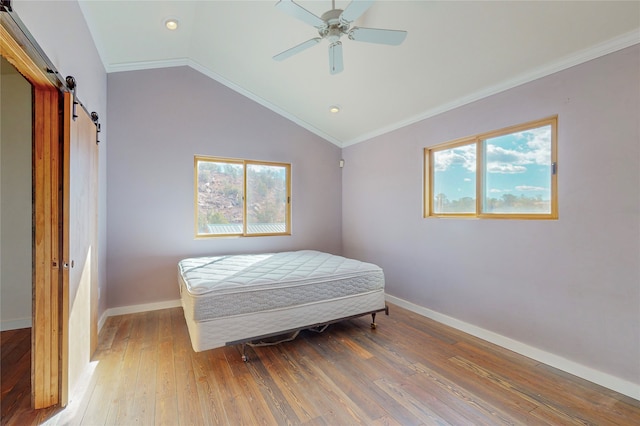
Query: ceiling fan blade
[[297, 49], [355, 9], [376, 35], [299, 12], [335, 58]]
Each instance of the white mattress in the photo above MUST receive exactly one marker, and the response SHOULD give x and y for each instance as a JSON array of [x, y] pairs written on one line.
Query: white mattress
[[231, 298]]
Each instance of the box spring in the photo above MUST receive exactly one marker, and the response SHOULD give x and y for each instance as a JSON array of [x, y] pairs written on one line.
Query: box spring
[[227, 299]]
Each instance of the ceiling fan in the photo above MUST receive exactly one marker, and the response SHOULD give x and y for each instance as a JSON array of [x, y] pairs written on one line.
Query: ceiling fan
[[332, 25]]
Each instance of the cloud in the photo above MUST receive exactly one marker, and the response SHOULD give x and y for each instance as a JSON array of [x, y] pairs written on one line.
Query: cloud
[[502, 155], [530, 188], [531, 147], [467, 179], [464, 156], [505, 168], [507, 154], [495, 190]]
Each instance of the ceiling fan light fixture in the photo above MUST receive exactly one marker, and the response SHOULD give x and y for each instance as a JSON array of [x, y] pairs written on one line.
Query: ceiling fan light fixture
[[171, 24], [332, 25]]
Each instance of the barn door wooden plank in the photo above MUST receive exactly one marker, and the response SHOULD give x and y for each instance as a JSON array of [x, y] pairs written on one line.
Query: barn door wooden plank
[[46, 268]]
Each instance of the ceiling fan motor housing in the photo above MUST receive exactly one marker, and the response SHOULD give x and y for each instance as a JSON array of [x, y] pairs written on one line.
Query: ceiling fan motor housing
[[335, 27], [332, 25]]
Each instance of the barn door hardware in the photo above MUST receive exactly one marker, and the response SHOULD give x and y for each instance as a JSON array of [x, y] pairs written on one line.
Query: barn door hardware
[[5, 6], [71, 84], [96, 119]]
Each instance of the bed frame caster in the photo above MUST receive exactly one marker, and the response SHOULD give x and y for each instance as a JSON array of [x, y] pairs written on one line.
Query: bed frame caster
[[245, 358], [373, 317]]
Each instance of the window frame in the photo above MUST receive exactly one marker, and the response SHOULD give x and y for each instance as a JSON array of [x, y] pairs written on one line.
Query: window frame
[[479, 140], [244, 163]]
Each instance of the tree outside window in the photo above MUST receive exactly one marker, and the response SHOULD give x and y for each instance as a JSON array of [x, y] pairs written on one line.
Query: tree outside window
[[236, 197]]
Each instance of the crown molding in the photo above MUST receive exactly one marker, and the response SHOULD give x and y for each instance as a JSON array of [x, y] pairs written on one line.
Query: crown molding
[[146, 65], [577, 58], [233, 86], [137, 66], [613, 45]]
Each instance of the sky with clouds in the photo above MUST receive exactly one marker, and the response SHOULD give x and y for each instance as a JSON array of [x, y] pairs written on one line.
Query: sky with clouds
[[517, 163]]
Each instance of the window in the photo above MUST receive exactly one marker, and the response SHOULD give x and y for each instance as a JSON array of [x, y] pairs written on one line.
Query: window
[[509, 173], [236, 197]]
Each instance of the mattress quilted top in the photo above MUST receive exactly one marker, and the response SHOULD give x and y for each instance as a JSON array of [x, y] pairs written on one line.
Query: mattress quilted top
[[235, 273]]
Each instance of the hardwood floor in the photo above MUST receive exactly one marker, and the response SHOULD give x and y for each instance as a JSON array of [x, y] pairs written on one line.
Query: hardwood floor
[[408, 371]]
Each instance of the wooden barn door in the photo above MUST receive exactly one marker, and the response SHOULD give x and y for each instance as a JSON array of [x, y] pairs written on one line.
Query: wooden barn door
[[65, 189], [48, 323], [79, 243], [45, 348]]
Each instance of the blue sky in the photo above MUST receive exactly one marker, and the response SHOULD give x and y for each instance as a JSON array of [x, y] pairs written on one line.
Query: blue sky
[[517, 164]]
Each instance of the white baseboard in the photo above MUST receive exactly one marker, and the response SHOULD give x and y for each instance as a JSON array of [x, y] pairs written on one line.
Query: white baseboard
[[134, 309], [15, 324], [102, 320], [603, 379]]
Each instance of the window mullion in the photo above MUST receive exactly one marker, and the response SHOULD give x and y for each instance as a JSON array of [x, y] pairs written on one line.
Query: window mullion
[[428, 190], [244, 198], [479, 175]]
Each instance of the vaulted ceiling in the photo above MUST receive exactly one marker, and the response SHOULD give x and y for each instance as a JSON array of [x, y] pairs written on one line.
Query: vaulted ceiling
[[455, 52]]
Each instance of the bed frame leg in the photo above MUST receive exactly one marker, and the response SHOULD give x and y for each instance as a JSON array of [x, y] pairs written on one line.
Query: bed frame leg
[[373, 316], [245, 358]]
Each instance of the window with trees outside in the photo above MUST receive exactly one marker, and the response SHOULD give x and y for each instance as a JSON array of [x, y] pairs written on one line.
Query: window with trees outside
[[235, 197], [508, 173]]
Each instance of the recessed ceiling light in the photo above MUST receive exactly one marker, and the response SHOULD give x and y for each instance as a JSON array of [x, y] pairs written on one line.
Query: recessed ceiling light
[[171, 24], [334, 109]]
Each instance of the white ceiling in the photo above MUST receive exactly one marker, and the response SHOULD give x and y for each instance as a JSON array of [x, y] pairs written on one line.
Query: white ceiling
[[455, 52]]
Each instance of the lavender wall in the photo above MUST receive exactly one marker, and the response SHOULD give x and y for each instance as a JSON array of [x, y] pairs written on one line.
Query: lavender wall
[[569, 287], [159, 119], [62, 33]]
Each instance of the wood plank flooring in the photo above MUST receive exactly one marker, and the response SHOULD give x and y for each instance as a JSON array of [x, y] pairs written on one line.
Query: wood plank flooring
[[408, 371]]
